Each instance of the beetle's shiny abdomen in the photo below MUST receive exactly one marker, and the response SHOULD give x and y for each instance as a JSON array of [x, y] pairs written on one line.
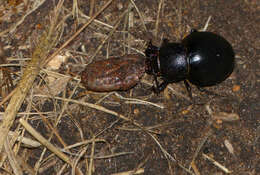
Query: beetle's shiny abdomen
[[173, 64], [210, 57]]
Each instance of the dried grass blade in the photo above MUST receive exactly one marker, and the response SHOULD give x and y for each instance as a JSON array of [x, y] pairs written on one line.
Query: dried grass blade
[[46, 43]]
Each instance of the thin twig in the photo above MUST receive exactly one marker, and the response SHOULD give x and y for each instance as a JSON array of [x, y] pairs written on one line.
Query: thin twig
[[95, 20], [158, 17], [138, 101], [77, 159], [98, 107], [46, 43], [91, 162], [217, 163], [140, 15], [207, 24], [78, 32], [107, 37], [12, 159], [13, 28], [85, 142], [45, 142]]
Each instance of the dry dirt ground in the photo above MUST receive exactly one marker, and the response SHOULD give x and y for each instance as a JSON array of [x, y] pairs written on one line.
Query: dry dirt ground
[[135, 131]]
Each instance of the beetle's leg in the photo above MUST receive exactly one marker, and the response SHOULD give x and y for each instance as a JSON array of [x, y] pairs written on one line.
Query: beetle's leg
[[156, 81], [188, 87], [155, 87], [161, 87], [208, 92]]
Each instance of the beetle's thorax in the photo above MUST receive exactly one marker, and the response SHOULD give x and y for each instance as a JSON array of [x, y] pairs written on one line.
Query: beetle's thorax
[[173, 62]]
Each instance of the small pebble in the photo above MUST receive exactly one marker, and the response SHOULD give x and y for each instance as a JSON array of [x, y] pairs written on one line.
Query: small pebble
[[236, 88]]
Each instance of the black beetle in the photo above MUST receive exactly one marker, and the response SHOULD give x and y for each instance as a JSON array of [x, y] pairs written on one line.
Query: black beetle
[[202, 58]]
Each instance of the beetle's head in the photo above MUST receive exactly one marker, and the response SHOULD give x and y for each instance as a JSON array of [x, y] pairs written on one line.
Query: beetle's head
[[151, 62]]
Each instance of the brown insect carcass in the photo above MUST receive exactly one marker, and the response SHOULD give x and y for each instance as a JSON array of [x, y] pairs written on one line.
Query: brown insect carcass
[[114, 74]]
